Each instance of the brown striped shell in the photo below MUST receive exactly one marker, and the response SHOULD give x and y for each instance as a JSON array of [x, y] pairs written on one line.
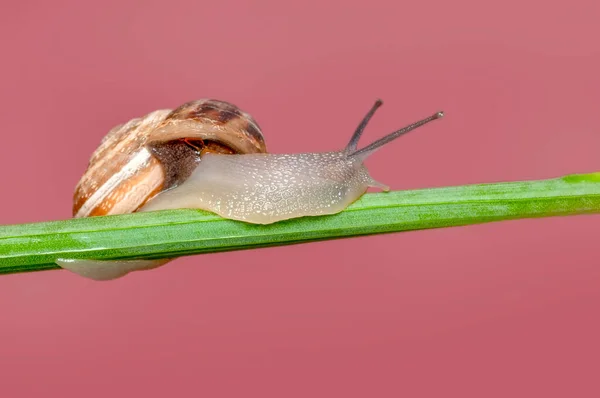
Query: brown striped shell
[[145, 156]]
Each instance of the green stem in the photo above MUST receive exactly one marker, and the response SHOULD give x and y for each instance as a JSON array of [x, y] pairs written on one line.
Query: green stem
[[166, 234]]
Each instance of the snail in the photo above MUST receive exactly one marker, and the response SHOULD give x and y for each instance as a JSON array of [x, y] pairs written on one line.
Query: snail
[[210, 155]]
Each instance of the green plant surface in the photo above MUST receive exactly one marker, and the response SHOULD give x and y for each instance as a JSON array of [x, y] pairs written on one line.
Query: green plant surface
[[173, 233]]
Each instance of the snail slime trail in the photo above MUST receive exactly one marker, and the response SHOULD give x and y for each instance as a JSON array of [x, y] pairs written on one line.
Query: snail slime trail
[[226, 171]]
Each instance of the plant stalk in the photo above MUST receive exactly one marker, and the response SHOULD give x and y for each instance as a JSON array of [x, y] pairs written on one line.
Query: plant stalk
[[173, 233]]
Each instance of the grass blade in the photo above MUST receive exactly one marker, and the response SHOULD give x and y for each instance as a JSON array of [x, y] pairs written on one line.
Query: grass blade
[[164, 234]]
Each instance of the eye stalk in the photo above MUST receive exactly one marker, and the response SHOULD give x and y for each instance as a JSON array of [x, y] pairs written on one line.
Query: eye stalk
[[369, 149], [351, 147]]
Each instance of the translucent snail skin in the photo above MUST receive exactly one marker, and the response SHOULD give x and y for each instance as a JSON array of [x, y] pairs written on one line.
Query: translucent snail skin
[[248, 184]]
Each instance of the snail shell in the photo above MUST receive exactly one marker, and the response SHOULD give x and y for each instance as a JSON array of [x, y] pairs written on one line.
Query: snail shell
[[138, 160]]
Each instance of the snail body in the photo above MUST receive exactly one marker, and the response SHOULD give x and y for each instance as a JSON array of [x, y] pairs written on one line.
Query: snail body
[[266, 188], [238, 180]]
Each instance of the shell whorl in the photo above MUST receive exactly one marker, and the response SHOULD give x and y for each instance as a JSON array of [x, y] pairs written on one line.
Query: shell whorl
[[145, 156]]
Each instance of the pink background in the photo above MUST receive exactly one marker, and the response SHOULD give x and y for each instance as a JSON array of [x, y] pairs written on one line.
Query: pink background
[[508, 309]]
